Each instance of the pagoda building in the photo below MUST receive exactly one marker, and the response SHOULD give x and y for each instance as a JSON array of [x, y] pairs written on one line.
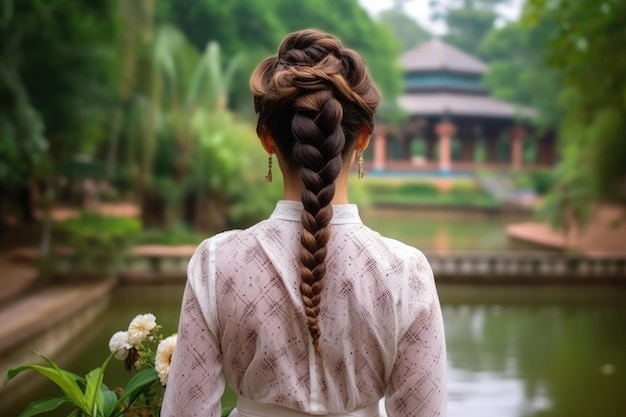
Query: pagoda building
[[453, 124]]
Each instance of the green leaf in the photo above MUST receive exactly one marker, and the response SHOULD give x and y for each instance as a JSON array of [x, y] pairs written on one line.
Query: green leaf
[[109, 402], [42, 406], [137, 384], [93, 393], [54, 365], [94, 378], [73, 381], [62, 379]]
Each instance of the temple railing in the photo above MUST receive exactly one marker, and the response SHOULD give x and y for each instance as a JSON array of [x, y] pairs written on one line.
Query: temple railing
[[454, 267], [150, 264], [526, 267]]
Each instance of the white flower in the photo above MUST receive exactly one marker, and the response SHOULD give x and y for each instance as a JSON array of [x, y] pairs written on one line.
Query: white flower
[[163, 357], [119, 343], [140, 327]]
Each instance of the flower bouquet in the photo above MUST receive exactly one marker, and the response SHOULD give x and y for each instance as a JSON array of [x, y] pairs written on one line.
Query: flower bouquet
[[146, 354]]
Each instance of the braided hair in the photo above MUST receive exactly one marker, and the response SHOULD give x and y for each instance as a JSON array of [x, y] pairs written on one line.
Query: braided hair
[[314, 97]]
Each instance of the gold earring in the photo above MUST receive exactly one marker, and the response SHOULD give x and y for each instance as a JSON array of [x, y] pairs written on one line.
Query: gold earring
[[268, 177], [359, 154]]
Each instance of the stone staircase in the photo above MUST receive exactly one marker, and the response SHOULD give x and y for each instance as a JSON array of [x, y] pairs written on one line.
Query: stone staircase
[[501, 188]]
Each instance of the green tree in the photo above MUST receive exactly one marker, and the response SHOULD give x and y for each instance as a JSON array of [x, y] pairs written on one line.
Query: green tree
[[586, 48], [256, 29], [55, 78], [136, 82], [518, 71], [192, 155], [194, 161], [239, 26], [406, 30], [467, 21]]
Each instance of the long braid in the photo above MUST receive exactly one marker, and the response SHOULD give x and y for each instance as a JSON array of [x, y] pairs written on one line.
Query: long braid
[[314, 97], [319, 143]]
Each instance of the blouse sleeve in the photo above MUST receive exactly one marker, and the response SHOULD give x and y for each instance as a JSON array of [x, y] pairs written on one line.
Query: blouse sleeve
[[195, 383], [417, 386]]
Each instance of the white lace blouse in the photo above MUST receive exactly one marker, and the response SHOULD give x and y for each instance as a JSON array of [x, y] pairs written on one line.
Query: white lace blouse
[[242, 320]]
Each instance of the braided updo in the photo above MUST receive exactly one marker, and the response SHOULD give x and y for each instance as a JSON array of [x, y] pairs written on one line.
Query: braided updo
[[314, 97]]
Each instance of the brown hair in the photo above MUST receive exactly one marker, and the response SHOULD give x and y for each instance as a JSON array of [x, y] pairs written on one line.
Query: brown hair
[[314, 97]]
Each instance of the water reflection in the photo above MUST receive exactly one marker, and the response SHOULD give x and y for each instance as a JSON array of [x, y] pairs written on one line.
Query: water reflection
[[512, 352], [490, 394], [536, 351], [443, 231]]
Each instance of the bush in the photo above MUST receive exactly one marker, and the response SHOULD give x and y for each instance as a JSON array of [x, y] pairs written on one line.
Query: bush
[[463, 190], [97, 243], [542, 181], [418, 189], [380, 188]]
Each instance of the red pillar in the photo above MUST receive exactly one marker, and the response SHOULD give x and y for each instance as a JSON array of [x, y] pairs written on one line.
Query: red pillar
[[445, 130], [380, 147], [518, 133]]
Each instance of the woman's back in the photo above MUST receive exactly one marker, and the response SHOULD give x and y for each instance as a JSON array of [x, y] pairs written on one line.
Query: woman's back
[[379, 302]]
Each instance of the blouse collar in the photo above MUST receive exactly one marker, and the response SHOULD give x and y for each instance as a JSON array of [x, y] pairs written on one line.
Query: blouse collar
[[292, 210]]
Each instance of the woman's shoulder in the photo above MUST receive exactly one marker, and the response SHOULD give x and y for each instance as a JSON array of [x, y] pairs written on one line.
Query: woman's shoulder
[[394, 247], [219, 238], [228, 236], [210, 243], [412, 265]]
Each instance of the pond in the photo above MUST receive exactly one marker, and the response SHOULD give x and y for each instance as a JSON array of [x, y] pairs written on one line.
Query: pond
[[512, 351], [443, 231]]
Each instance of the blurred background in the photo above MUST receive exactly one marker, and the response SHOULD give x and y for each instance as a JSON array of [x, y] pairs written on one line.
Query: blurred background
[[127, 136]]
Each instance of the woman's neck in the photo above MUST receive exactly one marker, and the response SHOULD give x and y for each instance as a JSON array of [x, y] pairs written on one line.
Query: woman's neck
[[293, 187]]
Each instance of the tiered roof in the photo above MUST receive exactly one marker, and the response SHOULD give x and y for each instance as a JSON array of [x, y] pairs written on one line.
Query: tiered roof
[[436, 55], [443, 80]]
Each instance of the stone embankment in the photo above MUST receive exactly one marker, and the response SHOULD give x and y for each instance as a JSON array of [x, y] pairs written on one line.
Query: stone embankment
[[47, 320]]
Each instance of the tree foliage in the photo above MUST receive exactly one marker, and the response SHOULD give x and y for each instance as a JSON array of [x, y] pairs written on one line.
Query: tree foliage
[[586, 48], [467, 21], [255, 29], [55, 78], [518, 71], [180, 139], [406, 30], [133, 84]]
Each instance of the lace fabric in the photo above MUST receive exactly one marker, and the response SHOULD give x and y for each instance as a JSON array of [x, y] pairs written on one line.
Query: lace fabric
[[242, 322]]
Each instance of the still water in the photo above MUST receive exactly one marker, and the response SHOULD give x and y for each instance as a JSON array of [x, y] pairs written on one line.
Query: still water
[[444, 231], [512, 352]]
